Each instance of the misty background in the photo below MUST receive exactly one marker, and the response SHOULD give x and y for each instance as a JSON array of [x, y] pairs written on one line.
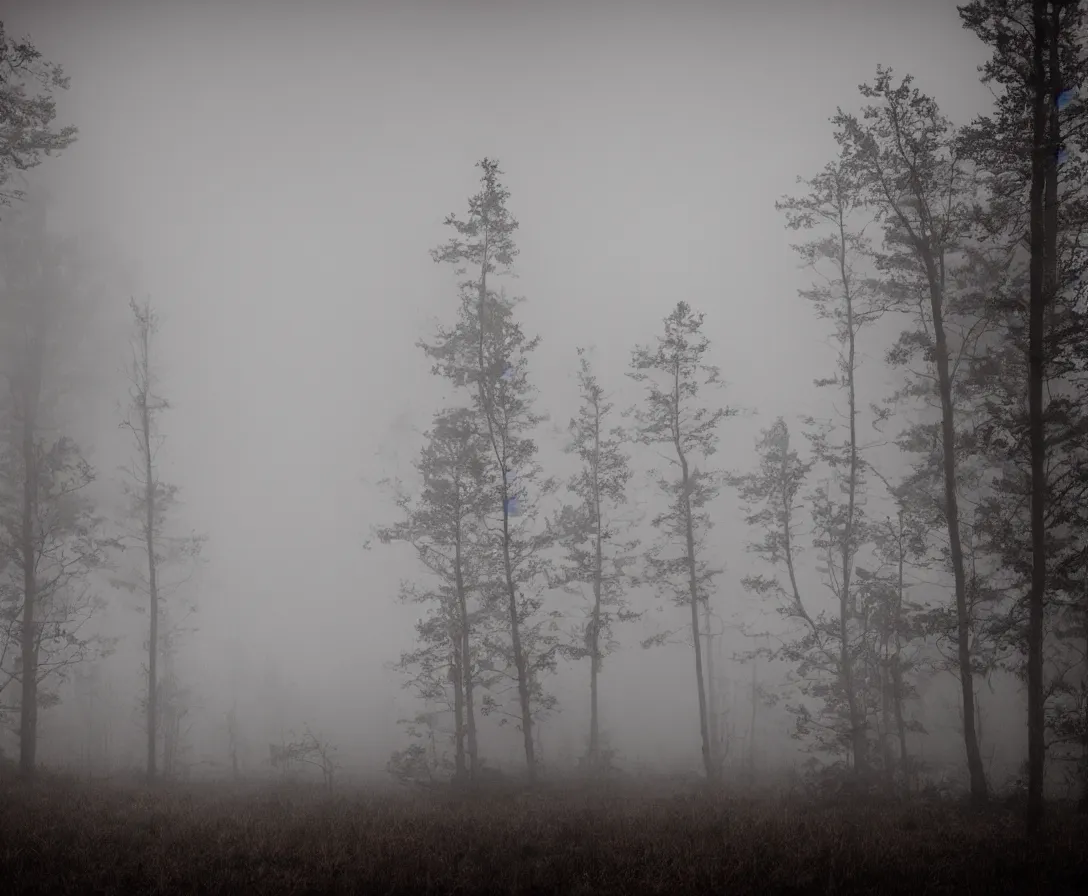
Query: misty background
[[273, 177]]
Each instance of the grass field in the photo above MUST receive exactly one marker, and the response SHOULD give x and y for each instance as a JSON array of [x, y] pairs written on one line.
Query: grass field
[[60, 836]]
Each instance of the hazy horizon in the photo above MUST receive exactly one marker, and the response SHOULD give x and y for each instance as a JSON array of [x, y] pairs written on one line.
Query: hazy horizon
[[274, 178]]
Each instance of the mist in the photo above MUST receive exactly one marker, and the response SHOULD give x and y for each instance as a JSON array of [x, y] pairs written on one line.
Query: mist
[[272, 178]]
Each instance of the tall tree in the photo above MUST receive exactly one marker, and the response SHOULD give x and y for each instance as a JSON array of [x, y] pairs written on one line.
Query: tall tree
[[486, 352], [593, 530], [844, 297], [151, 501], [27, 111], [906, 155], [1037, 187], [674, 372]]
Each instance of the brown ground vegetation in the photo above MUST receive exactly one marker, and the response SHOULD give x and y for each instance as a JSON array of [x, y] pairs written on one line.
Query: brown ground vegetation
[[62, 836]]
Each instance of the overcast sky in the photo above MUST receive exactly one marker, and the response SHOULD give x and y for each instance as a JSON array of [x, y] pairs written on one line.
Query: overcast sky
[[274, 175]]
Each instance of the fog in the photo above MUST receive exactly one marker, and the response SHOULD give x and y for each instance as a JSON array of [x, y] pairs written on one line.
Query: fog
[[274, 176]]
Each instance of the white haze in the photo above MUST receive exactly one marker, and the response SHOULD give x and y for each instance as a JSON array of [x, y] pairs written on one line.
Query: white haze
[[273, 176]]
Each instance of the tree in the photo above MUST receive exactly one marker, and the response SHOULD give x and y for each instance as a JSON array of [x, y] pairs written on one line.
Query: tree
[[1038, 59], [674, 372], [444, 526], [51, 538], [596, 553], [26, 115], [900, 543], [845, 298], [907, 158], [771, 496], [486, 352], [307, 749], [151, 500]]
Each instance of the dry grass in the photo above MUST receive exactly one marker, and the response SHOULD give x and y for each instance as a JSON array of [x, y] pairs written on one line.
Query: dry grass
[[65, 837]]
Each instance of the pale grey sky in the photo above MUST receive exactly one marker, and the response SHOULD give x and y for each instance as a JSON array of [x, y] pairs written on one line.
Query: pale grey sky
[[276, 173]]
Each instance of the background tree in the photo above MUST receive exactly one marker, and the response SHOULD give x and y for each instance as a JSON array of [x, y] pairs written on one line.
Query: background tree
[[596, 552], [897, 652], [674, 372], [151, 501], [846, 298], [27, 111], [772, 496], [50, 535], [445, 527]]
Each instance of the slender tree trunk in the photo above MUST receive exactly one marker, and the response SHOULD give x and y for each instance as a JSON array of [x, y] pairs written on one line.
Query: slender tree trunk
[[28, 715], [28, 710], [1082, 804], [465, 650], [693, 592], [693, 585], [897, 668], [858, 739], [1044, 147], [712, 708], [886, 734], [152, 572], [598, 577], [935, 276], [519, 654], [900, 722], [595, 658], [752, 724], [170, 713], [457, 680], [520, 664]]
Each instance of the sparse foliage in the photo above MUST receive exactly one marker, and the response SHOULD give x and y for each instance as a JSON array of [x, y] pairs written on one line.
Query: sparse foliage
[[27, 111], [486, 353], [597, 553], [674, 373], [151, 500]]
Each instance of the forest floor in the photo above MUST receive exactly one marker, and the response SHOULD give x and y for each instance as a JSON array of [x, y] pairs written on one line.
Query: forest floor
[[59, 836]]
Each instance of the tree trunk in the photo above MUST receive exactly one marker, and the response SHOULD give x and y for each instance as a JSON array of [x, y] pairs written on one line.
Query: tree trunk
[[975, 768], [752, 725], [897, 669], [1044, 147], [28, 714], [693, 593], [519, 654], [595, 659], [712, 705], [1082, 805], [900, 722], [465, 650], [520, 663], [152, 569], [887, 698], [28, 709], [457, 680], [598, 576], [858, 739]]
